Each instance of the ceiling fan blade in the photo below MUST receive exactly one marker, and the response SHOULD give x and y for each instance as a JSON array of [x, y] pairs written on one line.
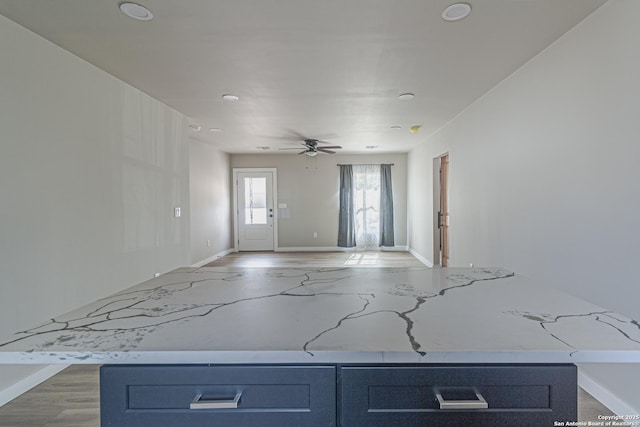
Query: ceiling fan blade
[[296, 136], [290, 148], [302, 137], [327, 136], [302, 152], [279, 138], [324, 150], [330, 146]]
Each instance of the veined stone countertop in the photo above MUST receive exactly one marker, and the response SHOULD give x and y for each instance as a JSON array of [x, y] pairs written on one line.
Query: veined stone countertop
[[332, 315]]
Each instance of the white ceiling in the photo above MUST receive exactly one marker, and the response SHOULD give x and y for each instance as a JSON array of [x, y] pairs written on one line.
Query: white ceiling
[[329, 69]]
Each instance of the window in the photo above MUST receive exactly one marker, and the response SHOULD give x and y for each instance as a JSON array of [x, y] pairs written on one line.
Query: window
[[365, 218], [255, 200], [367, 205]]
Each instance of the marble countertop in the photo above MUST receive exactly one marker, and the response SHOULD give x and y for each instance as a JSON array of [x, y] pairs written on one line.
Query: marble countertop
[[332, 315]]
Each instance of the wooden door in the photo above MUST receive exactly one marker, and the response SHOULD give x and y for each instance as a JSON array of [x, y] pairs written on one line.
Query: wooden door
[[444, 211]]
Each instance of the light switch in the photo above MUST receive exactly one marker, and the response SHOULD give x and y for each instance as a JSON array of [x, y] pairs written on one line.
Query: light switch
[[282, 206], [176, 212]]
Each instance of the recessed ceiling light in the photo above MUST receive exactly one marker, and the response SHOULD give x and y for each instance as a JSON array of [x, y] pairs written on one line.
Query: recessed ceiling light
[[229, 97], [195, 128], [265, 147], [371, 147], [215, 130], [456, 12], [396, 127], [136, 11], [406, 96]]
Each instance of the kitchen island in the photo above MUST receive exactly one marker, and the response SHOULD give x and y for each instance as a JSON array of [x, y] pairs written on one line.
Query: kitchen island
[[334, 346]]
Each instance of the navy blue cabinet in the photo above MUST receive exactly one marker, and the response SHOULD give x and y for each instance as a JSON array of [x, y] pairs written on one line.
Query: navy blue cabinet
[[457, 395], [337, 395], [238, 396]]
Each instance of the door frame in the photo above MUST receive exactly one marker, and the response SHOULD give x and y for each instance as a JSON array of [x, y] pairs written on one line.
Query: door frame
[[274, 195], [438, 193]]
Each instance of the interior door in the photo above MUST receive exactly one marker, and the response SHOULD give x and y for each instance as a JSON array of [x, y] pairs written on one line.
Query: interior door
[[443, 221], [255, 211]]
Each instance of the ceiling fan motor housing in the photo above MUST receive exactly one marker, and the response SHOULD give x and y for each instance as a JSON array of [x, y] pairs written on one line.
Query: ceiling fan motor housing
[[311, 143]]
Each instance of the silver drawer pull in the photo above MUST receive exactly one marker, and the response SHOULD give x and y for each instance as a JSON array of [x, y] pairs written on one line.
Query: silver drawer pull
[[480, 403], [199, 403]]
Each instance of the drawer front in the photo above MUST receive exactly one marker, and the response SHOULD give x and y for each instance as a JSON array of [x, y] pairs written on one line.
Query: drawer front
[[217, 395], [454, 395]]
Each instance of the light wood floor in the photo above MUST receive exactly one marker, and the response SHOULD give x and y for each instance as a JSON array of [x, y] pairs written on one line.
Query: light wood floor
[[69, 399], [72, 398], [318, 259]]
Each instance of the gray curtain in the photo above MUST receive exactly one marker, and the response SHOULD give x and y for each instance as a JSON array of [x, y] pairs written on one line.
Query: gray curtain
[[386, 207], [346, 219]]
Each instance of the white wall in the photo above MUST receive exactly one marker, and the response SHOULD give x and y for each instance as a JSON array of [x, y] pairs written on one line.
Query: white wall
[[90, 171], [310, 188], [210, 193], [544, 172]]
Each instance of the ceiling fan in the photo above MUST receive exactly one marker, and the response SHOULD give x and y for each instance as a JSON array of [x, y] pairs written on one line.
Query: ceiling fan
[[312, 147]]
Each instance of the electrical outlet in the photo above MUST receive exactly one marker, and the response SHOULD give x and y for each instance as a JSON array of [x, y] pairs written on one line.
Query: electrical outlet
[[208, 243], [471, 265], [177, 212], [156, 275], [315, 234]]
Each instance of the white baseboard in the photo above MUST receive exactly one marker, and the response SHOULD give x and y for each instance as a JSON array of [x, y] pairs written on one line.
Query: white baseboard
[[339, 249], [604, 395], [26, 384], [213, 258], [421, 258]]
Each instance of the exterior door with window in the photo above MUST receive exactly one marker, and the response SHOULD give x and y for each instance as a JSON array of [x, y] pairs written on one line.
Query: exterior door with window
[[255, 211]]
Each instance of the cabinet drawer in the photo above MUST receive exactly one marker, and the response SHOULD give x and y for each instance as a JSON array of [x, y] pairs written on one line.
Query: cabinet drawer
[[175, 395], [454, 395]]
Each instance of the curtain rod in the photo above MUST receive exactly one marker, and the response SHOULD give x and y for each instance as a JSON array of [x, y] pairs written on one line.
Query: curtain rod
[[366, 164]]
